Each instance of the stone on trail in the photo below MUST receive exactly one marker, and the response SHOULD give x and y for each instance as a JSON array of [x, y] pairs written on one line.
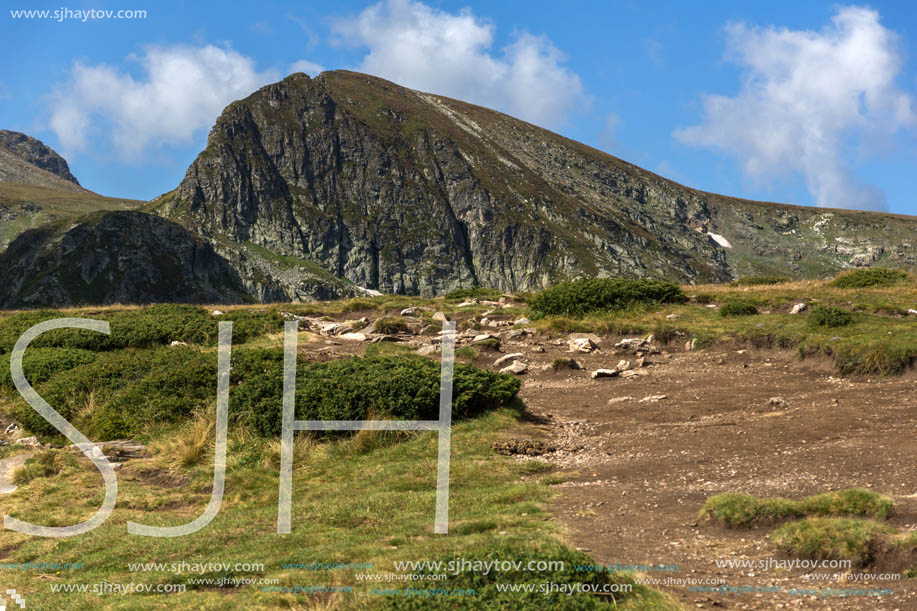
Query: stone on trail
[[778, 402], [623, 365], [509, 357], [409, 312], [353, 337], [439, 317], [517, 368], [799, 307], [604, 373], [581, 344], [653, 398]]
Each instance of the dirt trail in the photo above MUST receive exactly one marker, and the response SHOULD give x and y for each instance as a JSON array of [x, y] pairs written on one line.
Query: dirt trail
[[638, 472]]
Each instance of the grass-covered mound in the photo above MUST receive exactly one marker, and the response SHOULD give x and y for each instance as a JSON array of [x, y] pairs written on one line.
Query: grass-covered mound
[[587, 295], [141, 328], [830, 539], [742, 510], [119, 394], [487, 596], [870, 277]]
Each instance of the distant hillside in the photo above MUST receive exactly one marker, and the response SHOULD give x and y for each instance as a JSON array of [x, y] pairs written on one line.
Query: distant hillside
[[34, 153]]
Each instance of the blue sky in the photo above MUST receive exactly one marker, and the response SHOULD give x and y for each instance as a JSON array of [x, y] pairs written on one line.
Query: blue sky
[[802, 102]]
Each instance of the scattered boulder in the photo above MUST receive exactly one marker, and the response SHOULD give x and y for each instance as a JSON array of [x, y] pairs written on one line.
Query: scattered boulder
[[654, 398], [177, 343], [671, 316], [624, 365], [216, 313], [440, 317], [483, 337], [465, 304], [11, 429], [912, 312], [617, 400], [778, 402], [525, 321], [581, 344], [31, 442], [509, 357], [634, 373], [799, 307], [517, 368], [427, 350], [354, 337], [409, 312], [691, 344], [523, 447], [604, 373], [329, 328]]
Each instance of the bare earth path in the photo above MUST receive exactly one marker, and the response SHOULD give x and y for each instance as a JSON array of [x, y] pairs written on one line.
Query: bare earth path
[[638, 472]]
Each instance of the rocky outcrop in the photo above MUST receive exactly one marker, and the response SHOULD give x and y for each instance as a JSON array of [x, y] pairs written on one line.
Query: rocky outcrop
[[406, 192], [115, 257], [35, 153]]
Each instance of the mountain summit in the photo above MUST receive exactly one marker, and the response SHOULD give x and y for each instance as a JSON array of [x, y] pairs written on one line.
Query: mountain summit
[[408, 192]]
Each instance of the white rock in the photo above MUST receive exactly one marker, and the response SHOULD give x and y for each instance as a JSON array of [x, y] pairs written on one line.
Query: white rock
[[634, 373], [624, 365], [408, 312], [619, 400], [517, 367], [778, 402], [465, 304], [630, 342], [516, 356], [581, 344], [330, 327], [177, 343], [486, 322], [28, 441], [912, 312], [525, 321], [427, 350], [484, 337], [671, 316], [799, 307], [604, 373], [719, 239], [354, 337], [439, 317], [711, 305], [653, 398], [216, 313]]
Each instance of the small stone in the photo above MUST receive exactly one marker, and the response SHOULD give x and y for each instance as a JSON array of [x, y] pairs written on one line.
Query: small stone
[[778, 402], [525, 321], [216, 313], [486, 322], [671, 316], [427, 350], [354, 337], [517, 368], [799, 307], [604, 373], [439, 317], [634, 373], [409, 312], [624, 365], [483, 338], [690, 344], [616, 400], [28, 441], [465, 304], [509, 357], [177, 343], [653, 398], [912, 312]]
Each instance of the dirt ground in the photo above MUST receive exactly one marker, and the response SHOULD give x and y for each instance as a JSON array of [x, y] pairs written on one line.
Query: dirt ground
[[639, 471]]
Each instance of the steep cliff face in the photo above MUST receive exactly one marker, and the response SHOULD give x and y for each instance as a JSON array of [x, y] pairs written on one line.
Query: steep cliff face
[[408, 192], [114, 257]]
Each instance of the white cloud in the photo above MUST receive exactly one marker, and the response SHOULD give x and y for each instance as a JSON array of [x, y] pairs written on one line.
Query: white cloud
[[182, 90], [304, 65], [807, 97], [450, 54]]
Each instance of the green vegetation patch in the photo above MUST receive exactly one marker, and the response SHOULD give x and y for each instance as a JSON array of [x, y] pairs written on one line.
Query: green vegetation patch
[[586, 295], [540, 552], [738, 308], [829, 316], [156, 325], [830, 539], [121, 394], [760, 280], [870, 277], [743, 511], [392, 326]]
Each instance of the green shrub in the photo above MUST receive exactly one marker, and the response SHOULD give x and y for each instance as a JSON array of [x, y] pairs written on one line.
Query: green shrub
[[759, 280], [39, 364], [156, 325], [738, 308], [120, 393], [487, 596], [873, 276], [392, 326], [480, 292], [704, 298], [586, 295], [829, 316]]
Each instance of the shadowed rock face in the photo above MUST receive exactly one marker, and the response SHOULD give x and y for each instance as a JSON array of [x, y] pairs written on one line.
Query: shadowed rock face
[[406, 192], [36, 153], [115, 257]]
